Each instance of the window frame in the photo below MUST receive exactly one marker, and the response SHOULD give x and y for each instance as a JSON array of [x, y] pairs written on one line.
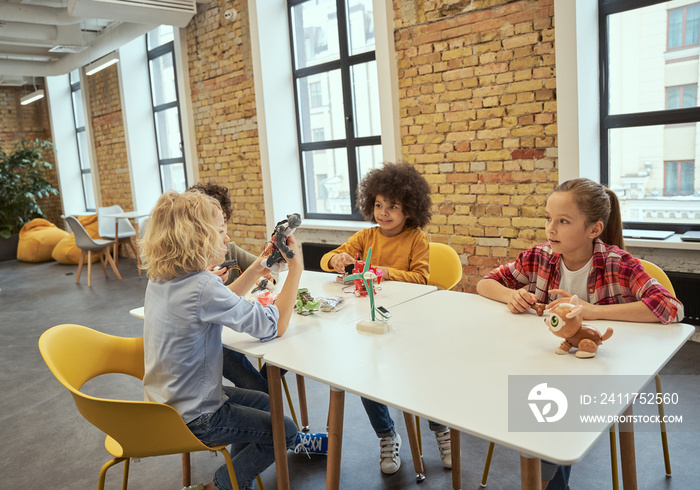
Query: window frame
[[85, 170], [152, 54], [608, 122], [350, 143]]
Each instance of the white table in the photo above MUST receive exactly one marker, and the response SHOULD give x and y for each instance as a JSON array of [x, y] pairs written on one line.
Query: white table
[[468, 345], [132, 215]]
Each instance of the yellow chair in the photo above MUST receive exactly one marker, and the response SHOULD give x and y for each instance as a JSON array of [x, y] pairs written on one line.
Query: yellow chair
[[445, 273], [657, 273], [135, 429], [445, 266]]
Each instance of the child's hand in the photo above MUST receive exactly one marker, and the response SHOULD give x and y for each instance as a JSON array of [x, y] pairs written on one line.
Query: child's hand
[[521, 300], [296, 260], [587, 313], [339, 261], [222, 273]]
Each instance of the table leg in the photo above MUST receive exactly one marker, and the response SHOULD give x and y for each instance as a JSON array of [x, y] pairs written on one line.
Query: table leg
[[335, 438], [274, 384], [629, 464], [116, 243], [530, 473], [415, 450], [455, 449], [303, 409]]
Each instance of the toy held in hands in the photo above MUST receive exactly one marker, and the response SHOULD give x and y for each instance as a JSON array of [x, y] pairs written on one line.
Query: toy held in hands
[[566, 321], [277, 247], [306, 303]]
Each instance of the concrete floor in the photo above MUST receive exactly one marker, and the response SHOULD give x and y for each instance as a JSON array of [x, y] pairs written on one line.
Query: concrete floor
[[47, 444]]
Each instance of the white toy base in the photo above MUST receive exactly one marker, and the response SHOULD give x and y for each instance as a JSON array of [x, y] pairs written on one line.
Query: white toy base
[[372, 327]]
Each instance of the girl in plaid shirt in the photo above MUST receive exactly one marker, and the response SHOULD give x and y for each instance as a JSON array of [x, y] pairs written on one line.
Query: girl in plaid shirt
[[585, 256]]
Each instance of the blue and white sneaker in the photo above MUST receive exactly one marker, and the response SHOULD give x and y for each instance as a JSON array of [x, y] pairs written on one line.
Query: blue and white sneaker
[[311, 443]]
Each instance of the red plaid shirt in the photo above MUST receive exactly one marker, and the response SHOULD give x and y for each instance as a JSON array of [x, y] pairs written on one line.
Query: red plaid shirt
[[616, 277]]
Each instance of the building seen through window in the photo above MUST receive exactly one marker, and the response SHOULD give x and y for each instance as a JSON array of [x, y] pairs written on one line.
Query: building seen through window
[[337, 100], [649, 110], [166, 108]]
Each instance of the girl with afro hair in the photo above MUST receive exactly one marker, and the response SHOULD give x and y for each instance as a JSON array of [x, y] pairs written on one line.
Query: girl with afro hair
[[397, 198]]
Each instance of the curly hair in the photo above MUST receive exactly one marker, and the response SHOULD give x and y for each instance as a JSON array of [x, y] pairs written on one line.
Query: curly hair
[[218, 192], [181, 236], [399, 183]]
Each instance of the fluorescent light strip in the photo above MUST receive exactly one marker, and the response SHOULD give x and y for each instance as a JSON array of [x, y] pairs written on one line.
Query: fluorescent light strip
[[29, 98], [102, 63]]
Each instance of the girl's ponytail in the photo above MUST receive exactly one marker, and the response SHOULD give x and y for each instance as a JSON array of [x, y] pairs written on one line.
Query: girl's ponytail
[[612, 232]]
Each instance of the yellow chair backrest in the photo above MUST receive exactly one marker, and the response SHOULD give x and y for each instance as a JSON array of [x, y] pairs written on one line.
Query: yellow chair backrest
[[76, 354], [445, 266], [655, 271]]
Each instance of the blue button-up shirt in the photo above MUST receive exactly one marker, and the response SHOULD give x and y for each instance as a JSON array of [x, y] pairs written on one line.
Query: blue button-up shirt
[[183, 320]]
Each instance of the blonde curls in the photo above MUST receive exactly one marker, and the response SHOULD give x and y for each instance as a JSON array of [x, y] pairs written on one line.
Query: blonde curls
[[181, 236]]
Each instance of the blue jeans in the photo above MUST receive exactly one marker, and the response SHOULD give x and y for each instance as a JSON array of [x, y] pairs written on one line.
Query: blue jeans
[[239, 370], [244, 421], [383, 424], [560, 480]]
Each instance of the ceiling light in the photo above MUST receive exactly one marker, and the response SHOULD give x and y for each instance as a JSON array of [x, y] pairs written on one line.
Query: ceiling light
[[102, 63], [29, 98]]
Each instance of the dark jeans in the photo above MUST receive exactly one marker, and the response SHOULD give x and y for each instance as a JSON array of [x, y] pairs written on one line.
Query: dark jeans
[[239, 370]]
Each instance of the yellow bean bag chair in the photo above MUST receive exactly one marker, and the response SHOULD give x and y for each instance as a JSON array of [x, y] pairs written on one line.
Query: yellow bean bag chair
[[66, 252], [37, 240]]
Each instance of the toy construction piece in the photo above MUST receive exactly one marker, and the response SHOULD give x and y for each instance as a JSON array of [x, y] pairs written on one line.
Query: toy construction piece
[[306, 304], [367, 276]]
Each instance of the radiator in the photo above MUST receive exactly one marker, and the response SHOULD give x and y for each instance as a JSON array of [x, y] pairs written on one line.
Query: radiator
[[313, 252], [687, 288]]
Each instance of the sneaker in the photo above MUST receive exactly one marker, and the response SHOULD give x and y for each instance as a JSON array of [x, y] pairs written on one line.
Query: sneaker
[[389, 447], [443, 442], [311, 443]]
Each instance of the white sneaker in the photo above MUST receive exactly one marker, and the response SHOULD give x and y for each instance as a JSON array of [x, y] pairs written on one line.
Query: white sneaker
[[443, 442], [389, 447]]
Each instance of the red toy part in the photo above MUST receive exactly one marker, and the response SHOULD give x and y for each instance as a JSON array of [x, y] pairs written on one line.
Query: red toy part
[[359, 285], [265, 298]]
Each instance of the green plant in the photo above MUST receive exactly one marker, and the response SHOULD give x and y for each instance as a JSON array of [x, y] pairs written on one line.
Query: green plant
[[22, 184]]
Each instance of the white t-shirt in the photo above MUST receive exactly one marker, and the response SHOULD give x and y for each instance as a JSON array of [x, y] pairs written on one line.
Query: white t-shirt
[[576, 282]]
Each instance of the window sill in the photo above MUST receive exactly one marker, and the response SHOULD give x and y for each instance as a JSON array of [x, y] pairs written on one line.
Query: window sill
[[335, 225], [673, 242]]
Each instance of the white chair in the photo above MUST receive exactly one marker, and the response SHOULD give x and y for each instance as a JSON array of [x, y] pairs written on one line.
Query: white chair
[[106, 227], [88, 244]]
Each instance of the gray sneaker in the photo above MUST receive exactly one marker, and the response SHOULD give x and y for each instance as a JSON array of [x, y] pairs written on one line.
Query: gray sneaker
[[443, 442], [390, 461]]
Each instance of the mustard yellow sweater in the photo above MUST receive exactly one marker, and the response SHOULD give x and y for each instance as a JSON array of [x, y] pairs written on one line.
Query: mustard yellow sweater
[[405, 255]]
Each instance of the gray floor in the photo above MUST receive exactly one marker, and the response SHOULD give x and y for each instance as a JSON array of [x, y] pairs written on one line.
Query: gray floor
[[46, 444]]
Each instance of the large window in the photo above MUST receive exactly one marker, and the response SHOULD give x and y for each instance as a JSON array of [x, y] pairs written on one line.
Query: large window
[[166, 108], [650, 61], [337, 101], [81, 136]]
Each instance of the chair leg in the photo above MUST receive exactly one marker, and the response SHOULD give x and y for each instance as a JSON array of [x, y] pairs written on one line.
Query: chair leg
[[303, 408], [487, 465], [89, 266], [186, 470], [114, 267], [125, 478], [115, 252], [260, 485], [664, 438], [289, 401], [103, 471], [103, 261], [613, 458], [80, 266], [229, 465]]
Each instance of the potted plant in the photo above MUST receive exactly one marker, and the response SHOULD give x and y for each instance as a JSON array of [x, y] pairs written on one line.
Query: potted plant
[[22, 185]]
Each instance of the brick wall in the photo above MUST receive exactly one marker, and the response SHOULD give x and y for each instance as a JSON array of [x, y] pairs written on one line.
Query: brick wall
[[226, 129], [478, 119], [28, 122], [110, 146]]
